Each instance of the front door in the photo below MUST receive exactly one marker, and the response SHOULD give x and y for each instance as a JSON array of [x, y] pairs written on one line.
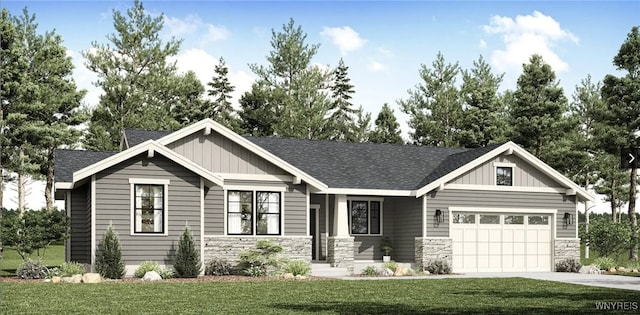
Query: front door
[[313, 231]]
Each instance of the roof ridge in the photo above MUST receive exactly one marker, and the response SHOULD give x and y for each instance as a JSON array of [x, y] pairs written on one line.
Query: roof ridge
[[88, 150], [406, 145]]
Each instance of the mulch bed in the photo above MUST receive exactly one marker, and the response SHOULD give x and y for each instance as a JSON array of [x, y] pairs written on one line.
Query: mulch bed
[[180, 280]]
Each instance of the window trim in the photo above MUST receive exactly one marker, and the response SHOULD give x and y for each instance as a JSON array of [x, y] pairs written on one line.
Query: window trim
[[497, 165], [368, 200], [254, 205], [132, 205]]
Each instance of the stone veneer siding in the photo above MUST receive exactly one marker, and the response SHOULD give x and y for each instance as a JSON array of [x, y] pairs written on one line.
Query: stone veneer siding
[[428, 249], [566, 249], [229, 247], [340, 252]]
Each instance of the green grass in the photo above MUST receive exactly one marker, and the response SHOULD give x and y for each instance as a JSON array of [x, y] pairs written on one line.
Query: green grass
[[419, 296], [52, 257], [622, 259]]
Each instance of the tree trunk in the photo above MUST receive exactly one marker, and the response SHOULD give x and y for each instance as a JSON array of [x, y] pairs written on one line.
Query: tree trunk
[[633, 252], [612, 199], [21, 192], [586, 229], [49, 187]]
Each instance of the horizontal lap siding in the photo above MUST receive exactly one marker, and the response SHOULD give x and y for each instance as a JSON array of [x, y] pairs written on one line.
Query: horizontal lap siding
[[508, 200], [367, 247], [81, 224], [113, 206], [295, 210], [214, 211], [407, 225], [221, 155]]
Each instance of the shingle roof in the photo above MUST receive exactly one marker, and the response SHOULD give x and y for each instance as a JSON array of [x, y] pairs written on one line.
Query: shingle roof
[[137, 136], [69, 161], [368, 165]]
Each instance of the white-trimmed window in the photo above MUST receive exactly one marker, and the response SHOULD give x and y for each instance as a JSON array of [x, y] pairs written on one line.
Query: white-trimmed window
[[149, 202], [365, 217], [504, 176], [254, 212]]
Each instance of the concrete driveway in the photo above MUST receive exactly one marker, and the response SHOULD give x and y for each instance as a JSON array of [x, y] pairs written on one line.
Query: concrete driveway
[[607, 281]]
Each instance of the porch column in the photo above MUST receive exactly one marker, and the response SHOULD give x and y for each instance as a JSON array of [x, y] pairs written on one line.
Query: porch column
[[340, 246]]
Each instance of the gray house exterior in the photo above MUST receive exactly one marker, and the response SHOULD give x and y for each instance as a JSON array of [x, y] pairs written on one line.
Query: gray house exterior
[[488, 209]]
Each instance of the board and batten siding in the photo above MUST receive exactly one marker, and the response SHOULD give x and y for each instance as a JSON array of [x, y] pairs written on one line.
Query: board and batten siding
[[406, 222], [218, 154], [81, 224], [524, 174], [497, 199], [113, 206]]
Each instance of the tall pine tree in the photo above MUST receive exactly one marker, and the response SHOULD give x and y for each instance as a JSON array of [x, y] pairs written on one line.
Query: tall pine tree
[[342, 120], [434, 107], [483, 116], [220, 90], [387, 128]]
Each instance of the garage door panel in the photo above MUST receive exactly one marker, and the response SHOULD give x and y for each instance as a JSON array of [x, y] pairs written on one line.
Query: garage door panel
[[544, 235], [532, 249], [507, 234], [544, 261], [519, 248], [470, 249], [495, 235], [470, 235], [544, 248], [483, 248], [483, 235], [507, 248], [519, 236], [495, 248], [519, 262], [483, 261]]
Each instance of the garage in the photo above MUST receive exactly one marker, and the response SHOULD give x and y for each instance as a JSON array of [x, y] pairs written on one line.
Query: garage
[[501, 242]]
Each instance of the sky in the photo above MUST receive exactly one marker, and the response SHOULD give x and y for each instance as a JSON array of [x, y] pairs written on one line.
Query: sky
[[384, 43]]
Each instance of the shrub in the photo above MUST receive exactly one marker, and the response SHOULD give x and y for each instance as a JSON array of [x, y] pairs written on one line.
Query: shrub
[[218, 267], [392, 265], [109, 262], [32, 269], [262, 260], [370, 271], [438, 267], [147, 266], [386, 247], [609, 238], [72, 268], [32, 231], [568, 265], [298, 267], [166, 273], [604, 263], [187, 263]]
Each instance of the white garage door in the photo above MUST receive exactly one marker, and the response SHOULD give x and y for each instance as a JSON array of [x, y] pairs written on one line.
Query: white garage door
[[489, 242]]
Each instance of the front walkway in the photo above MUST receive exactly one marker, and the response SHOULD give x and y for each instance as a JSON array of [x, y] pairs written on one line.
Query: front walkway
[[606, 281]]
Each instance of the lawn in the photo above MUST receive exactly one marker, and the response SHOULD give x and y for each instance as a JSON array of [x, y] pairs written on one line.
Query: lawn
[[424, 296], [53, 256]]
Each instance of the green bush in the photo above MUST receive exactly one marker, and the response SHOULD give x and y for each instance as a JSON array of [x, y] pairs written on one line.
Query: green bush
[[609, 238], [438, 267], [166, 273], [298, 267], [392, 265], [72, 268], [32, 269], [604, 263], [147, 266], [218, 267], [30, 231], [109, 261], [262, 260], [370, 271], [568, 265], [187, 262]]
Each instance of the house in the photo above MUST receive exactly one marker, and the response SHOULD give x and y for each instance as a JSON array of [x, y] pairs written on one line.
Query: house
[[496, 208]]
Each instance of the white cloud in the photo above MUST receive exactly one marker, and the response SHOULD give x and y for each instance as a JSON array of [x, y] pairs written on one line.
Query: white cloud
[[345, 38], [192, 25], [84, 79], [527, 35], [216, 33], [385, 52], [483, 44], [375, 66], [178, 27]]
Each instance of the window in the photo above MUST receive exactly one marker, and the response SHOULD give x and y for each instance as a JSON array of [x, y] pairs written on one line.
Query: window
[[149, 208], [365, 217], [513, 219], [241, 209], [489, 219], [538, 220], [504, 176], [464, 218]]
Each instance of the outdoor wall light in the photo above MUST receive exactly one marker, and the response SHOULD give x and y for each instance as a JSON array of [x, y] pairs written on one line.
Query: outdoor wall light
[[439, 216], [568, 218]]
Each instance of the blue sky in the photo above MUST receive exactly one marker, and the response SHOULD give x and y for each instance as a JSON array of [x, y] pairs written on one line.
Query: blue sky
[[383, 43]]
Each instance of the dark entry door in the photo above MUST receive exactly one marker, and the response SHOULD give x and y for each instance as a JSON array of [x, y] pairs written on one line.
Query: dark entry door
[[312, 230]]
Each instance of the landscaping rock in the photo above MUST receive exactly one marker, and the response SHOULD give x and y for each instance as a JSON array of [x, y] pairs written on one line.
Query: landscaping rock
[[72, 279], [386, 272], [634, 270], [47, 280], [590, 269], [66, 279], [612, 269], [56, 279], [288, 276], [91, 278], [426, 272], [301, 277], [151, 276], [622, 269], [401, 271]]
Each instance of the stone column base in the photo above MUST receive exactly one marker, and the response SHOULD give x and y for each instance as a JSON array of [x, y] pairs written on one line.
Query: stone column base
[[429, 249], [340, 252], [565, 248]]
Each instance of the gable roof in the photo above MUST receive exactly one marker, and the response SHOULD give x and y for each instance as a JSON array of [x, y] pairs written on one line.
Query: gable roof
[[363, 165], [133, 137], [68, 161]]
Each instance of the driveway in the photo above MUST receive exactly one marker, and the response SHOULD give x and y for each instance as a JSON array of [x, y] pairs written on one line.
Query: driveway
[[607, 281]]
